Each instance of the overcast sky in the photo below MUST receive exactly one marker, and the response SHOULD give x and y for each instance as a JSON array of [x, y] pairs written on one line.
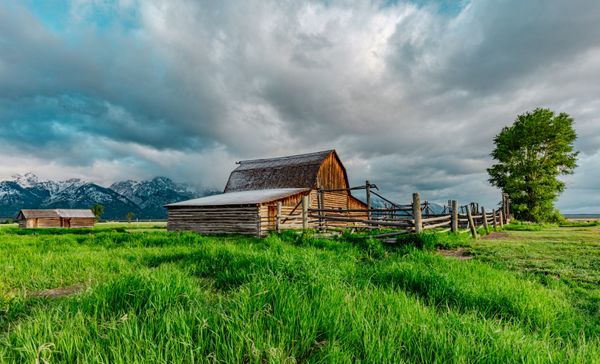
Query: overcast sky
[[410, 93]]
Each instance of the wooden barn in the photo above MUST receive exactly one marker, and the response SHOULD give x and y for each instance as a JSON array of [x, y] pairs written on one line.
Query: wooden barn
[[255, 188], [57, 218]]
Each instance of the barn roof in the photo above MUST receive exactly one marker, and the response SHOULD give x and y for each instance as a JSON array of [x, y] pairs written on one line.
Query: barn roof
[[84, 213], [295, 171], [241, 198], [56, 213]]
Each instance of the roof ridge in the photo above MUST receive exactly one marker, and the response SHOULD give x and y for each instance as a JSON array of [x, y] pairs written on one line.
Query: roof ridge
[[328, 151]]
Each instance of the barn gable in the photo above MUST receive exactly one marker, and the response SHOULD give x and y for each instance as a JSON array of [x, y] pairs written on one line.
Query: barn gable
[[296, 171]]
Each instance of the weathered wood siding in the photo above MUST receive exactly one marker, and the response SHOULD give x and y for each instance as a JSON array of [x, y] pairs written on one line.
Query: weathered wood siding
[[215, 220], [51, 222], [332, 174], [41, 222], [291, 214], [81, 222], [291, 211]]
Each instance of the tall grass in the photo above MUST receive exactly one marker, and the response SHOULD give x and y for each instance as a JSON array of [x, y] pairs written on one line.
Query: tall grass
[[163, 298]]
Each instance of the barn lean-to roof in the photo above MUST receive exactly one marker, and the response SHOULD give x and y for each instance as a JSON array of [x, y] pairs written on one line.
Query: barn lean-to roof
[[241, 197], [295, 171], [56, 213]]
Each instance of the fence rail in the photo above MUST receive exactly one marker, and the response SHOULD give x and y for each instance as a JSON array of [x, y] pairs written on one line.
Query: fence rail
[[408, 218]]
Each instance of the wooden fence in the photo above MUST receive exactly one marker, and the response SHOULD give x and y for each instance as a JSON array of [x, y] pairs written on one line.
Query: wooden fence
[[415, 217]]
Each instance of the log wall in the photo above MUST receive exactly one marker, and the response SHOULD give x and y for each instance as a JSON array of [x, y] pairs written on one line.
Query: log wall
[[82, 222], [215, 220], [56, 222], [43, 222]]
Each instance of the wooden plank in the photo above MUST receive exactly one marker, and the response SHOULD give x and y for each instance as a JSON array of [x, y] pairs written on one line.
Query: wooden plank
[[368, 222], [368, 191], [278, 217], [472, 226], [385, 235], [304, 212], [427, 227], [434, 219], [485, 221]]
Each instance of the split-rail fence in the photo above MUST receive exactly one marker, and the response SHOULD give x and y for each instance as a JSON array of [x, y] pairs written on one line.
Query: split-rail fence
[[394, 219]]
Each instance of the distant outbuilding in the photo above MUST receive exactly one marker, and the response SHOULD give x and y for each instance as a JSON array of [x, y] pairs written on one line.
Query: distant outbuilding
[[255, 188], [56, 218]]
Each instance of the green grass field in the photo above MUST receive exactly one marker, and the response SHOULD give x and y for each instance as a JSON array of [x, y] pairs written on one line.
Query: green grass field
[[133, 293]]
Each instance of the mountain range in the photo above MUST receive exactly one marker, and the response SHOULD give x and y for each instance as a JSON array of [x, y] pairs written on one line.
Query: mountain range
[[143, 198]]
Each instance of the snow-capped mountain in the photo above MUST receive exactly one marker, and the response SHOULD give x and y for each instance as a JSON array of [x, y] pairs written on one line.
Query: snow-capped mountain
[[27, 180], [144, 198], [14, 197], [116, 206], [151, 195]]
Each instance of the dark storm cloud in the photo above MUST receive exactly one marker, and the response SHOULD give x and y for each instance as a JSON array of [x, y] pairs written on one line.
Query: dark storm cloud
[[98, 84], [410, 93]]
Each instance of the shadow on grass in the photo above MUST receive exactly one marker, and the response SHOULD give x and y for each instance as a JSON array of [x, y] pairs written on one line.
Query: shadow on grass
[[230, 269]]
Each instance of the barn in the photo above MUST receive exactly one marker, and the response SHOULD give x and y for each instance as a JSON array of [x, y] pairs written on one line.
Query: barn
[[255, 188], [57, 218]]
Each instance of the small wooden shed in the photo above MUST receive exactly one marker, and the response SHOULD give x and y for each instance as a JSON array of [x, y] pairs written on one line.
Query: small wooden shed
[[56, 218], [248, 204]]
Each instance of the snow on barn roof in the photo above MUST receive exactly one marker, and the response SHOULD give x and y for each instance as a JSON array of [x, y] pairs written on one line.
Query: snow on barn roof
[[295, 171], [241, 198], [56, 213]]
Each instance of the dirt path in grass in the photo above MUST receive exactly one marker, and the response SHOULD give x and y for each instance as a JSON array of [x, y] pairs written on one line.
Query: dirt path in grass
[[58, 292], [459, 253], [495, 235]]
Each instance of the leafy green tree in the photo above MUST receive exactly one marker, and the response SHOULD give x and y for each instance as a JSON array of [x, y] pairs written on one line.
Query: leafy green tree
[[98, 210], [130, 216], [531, 154]]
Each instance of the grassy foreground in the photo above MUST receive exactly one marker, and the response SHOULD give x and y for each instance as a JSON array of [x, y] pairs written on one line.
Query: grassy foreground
[[136, 294]]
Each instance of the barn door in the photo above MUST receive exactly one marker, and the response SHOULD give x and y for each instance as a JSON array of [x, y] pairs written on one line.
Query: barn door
[[272, 216]]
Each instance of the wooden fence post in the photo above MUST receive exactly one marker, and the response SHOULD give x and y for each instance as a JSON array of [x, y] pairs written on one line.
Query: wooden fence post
[[472, 224], [454, 224], [321, 204], [494, 223], [278, 217], [417, 212], [485, 222], [368, 190], [304, 212], [505, 208], [500, 218]]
